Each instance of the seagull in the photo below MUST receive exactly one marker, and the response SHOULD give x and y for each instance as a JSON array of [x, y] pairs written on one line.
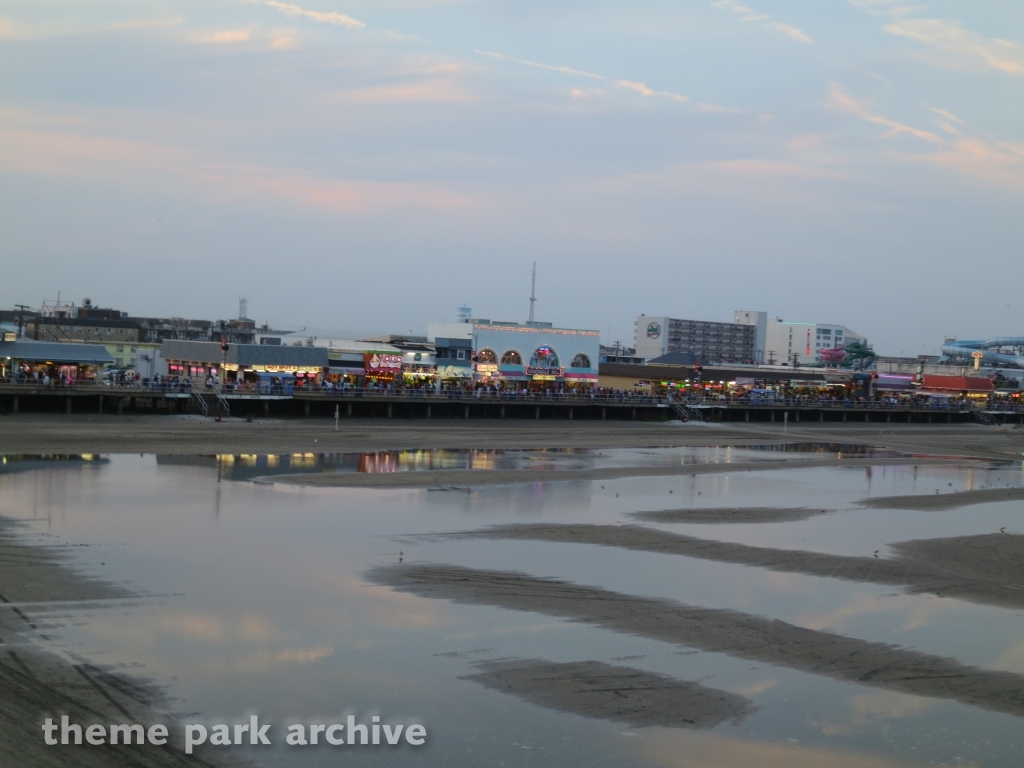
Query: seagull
[[876, 551], [1002, 530], [616, 495]]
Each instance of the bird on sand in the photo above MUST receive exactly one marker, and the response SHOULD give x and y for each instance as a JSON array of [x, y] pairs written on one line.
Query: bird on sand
[[1002, 530]]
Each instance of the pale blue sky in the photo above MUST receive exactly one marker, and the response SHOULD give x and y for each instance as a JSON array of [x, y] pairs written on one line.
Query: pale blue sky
[[369, 166]]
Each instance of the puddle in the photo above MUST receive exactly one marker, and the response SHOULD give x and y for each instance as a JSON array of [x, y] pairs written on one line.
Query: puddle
[[255, 598]]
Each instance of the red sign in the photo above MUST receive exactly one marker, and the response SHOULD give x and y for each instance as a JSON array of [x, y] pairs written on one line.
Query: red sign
[[532, 370], [381, 362]]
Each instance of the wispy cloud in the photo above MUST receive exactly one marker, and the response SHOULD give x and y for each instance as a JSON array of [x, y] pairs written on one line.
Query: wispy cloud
[[957, 47], [285, 43], [223, 36], [747, 13], [965, 151], [840, 100], [961, 46], [322, 17], [630, 85]]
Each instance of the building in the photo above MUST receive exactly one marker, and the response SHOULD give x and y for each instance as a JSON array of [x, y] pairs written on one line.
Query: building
[[798, 343], [511, 354], [760, 322], [75, 362], [620, 354], [244, 363], [709, 342]]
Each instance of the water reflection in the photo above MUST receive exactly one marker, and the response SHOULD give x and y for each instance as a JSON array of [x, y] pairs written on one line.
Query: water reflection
[[262, 607]]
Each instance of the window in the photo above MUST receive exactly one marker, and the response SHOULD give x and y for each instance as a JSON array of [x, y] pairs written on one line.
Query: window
[[120, 349], [110, 331], [544, 357], [580, 361], [460, 354], [487, 356], [511, 357]]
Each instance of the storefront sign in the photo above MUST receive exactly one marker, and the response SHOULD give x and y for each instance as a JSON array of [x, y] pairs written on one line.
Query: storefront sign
[[538, 371], [487, 367], [543, 377], [382, 362]]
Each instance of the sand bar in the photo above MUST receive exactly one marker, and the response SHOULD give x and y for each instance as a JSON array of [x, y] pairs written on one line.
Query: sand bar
[[878, 665], [610, 692], [85, 433], [940, 502], [715, 515], [983, 569]]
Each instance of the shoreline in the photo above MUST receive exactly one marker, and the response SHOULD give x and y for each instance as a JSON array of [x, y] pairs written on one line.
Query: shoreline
[[76, 434]]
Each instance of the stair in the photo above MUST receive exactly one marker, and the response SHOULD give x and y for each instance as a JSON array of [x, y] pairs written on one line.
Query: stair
[[983, 417], [211, 403], [686, 412]]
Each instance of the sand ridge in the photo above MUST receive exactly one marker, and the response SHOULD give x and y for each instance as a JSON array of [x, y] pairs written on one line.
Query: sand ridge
[[611, 692], [714, 515], [877, 665], [987, 568]]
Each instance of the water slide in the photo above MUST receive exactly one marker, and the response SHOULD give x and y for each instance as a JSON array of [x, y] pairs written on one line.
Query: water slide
[[965, 349]]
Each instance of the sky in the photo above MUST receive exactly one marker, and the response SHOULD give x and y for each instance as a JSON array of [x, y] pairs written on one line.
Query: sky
[[368, 167]]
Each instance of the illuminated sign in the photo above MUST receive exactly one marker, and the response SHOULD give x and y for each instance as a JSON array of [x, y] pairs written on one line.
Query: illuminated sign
[[487, 367], [382, 362], [544, 377], [537, 371]]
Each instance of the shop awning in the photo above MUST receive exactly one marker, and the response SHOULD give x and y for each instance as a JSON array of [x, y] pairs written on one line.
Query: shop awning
[[57, 353]]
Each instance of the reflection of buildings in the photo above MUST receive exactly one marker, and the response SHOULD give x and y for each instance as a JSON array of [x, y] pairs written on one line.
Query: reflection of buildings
[[509, 353]]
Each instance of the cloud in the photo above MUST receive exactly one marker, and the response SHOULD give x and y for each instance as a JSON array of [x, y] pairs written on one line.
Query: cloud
[[960, 48], [960, 45], [36, 145], [979, 155], [437, 90], [839, 99], [285, 43], [322, 17], [225, 36], [747, 13], [630, 85]]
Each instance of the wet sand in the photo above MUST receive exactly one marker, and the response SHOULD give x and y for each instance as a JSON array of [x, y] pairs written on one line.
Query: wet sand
[[36, 683], [877, 665], [84, 433], [985, 569], [608, 692], [943, 501], [715, 515]]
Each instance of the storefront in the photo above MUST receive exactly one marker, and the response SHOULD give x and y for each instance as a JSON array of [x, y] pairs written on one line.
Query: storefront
[[534, 356], [246, 366], [39, 360]]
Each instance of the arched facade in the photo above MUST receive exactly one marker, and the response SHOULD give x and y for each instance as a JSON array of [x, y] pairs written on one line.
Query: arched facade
[[580, 361], [544, 357], [511, 357], [487, 356]]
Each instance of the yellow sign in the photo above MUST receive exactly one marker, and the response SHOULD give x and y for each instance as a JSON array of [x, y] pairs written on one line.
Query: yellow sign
[[544, 377]]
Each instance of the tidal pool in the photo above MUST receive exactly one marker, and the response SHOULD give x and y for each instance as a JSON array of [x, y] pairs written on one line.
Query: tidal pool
[[259, 598]]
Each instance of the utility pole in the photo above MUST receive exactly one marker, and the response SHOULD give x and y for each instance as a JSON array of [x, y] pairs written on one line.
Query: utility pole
[[533, 290], [21, 317]]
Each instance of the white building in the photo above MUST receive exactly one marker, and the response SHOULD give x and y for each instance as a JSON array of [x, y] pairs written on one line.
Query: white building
[[789, 342]]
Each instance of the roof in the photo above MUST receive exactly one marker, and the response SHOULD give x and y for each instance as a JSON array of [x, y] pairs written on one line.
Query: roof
[[54, 352], [244, 354], [723, 373]]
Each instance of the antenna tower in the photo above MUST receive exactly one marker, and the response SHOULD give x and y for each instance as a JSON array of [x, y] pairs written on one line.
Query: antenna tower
[[533, 290], [243, 307]]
